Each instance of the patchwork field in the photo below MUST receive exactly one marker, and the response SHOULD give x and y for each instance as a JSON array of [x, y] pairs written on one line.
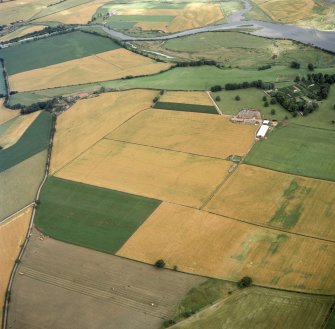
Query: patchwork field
[[195, 97], [89, 120], [297, 150], [262, 309], [6, 114], [15, 128], [196, 133], [34, 140], [80, 214], [19, 184], [53, 50], [294, 204], [22, 31], [109, 65], [12, 234], [179, 177], [210, 245], [106, 290]]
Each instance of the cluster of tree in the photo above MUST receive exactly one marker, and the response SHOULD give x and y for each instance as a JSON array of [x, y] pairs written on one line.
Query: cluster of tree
[[295, 65], [198, 63], [264, 67], [253, 84]]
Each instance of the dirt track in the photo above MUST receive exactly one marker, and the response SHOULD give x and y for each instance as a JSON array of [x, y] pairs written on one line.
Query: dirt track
[[63, 286]]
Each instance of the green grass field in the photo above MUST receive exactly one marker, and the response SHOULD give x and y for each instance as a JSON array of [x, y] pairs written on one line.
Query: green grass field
[[90, 216], [34, 140], [53, 50], [185, 107], [2, 82], [297, 150]]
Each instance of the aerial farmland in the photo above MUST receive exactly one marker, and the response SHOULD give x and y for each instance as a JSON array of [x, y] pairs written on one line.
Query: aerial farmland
[[167, 164]]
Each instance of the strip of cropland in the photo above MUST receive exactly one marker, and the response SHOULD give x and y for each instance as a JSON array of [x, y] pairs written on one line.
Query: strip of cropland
[[186, 107], [34, 140], [262, 309], [89, 120], [90, 216], [97, 290], [296, 204], [199, 98], [196, 133], [215, 246], [20, 182], [297, 150], [53, 50], [6, 114], [114, 64], [179, 177]]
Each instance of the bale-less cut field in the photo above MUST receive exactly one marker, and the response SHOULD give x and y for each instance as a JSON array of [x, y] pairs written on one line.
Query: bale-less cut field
[[12, 234], [194, 97], [62, 285], [19, 184], [6, 114], [298, 204], [148, 171], [262, 309], [196, 133], [89, 120], [210, 245], [21, 32], [109, 65], [17, 129]]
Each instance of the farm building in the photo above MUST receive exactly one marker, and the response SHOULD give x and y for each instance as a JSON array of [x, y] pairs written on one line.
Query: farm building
[[262, 131], [247, 116]]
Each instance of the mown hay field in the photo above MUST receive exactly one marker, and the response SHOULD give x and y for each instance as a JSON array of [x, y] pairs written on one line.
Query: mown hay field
[[89, 120], [6, 114], [19, 184], [12, 235], [203, 134], [262, 309], [299, 150], [178, 177], [206, 244], [56, 49], [109, 65], [20, 32], [34, 140], [81, 214], [16, 128], [297, 204], [97, 290], [194, 97]]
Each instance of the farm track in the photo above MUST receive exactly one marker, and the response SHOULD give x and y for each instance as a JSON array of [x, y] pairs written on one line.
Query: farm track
[[130, 298]]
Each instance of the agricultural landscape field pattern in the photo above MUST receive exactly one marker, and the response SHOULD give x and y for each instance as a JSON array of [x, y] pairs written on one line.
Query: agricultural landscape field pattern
[[136, 193]]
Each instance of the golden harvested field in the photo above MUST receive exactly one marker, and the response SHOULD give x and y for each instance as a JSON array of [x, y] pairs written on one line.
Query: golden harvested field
[[12, 234], [188, 97], [16, 130], [150, 12], [109, 65], [166, 175], [210, 245], [6, 114], [160, 26], [288, 11], [75, 15], [197, 133], [89, 120], [195, 15], [21, 32], [297, 204]]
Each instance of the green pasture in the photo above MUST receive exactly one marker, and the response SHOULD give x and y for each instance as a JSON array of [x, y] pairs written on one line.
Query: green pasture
[[90, 216], [298, 150], [34, 140], [3, 90], [186, 107], [53, 50]]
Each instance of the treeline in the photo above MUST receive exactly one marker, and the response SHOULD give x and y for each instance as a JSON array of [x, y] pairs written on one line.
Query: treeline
[[199, 63], [244, 85], [4, 74], [264, 67]]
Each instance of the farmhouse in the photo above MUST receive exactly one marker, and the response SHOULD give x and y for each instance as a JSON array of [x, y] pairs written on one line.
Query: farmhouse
[[247, 116], [261, 133]]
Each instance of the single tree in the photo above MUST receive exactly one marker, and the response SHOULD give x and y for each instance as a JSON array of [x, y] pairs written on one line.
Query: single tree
[[297, 79], [245, 282], [237, 98], [273, 112], [266, 104], [160, 263], [264, 98], [310, 67], [218, 98]]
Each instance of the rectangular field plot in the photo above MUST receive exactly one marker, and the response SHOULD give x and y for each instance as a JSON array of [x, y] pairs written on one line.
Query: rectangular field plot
[[109, 65], [186, 107], [196, 133], [297, 150], [262, 309], [90, 216], [214, 246], [89, 120], [193, 97], [161, 174], [92, 290], [53, 50], [297, 204]]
